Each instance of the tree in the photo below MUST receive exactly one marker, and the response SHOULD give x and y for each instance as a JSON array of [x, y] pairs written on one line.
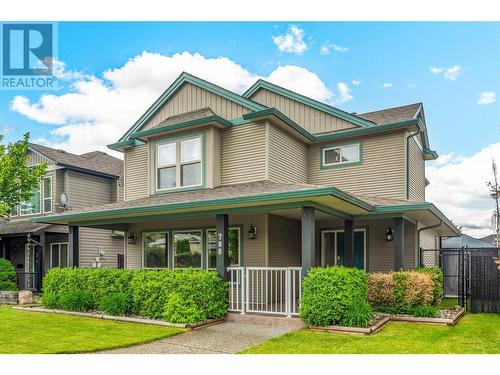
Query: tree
[[495, 194], [17, 179]]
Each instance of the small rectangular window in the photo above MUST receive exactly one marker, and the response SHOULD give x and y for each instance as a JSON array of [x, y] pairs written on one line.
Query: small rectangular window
[[167, 154], [339, 155], [47, 194], [187, 249], [59, 256], [155, 250]]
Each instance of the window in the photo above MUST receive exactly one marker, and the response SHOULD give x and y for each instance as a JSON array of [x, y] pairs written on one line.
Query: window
[[340, 155], [32, 206], [179, 164], [59, 256], [15, 210], [233, 247], [155, 250], [47, 194], [187, 249]]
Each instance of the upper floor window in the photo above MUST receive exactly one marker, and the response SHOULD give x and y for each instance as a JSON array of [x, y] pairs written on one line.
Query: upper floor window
[[47, 194], [41, 199], [33, 206], [341, 155], [179, 164]]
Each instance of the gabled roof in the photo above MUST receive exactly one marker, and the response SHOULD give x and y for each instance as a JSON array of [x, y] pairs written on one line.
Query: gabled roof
[[188, 78], [465, 241], [395, 114], [261, 84], [93, 162]]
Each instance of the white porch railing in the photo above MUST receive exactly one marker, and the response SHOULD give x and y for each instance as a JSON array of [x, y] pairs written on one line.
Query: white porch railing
[[265, 290]]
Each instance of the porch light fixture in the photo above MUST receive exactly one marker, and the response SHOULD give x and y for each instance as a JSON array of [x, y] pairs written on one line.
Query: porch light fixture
[[252, 232], [131, 238], [389, 234]]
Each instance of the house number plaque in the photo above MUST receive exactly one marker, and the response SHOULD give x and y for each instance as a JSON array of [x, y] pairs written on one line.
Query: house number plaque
[[220, 243]]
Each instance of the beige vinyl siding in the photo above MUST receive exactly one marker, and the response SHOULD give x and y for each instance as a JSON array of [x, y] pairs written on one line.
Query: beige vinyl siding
[[429, 239], [85, 190], [284, 242], [381, 172], [60, 187], [254, 251], [136, 178], [212, 157], [287, 157], [416, 172], [35, 158], [243, 154], [91, 240], [311, 119], [189, 98]]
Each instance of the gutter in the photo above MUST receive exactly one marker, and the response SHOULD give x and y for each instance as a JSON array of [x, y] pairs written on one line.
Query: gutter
[[422, 229]]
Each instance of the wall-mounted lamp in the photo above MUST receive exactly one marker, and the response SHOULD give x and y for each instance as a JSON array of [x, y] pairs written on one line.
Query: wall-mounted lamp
[[131, 238], [252, 232], [389, 234]]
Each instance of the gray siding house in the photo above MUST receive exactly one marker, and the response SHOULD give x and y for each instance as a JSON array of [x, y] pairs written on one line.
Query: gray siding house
[[265, 185], [83, 180]]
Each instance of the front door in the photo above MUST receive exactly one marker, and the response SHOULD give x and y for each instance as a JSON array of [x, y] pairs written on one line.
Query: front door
[[333, 243]]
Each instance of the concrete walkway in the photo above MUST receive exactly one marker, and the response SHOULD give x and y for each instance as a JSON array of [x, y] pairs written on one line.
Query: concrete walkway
[[220, 338]]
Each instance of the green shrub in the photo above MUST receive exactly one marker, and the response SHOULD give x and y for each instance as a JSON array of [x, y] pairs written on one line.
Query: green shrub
[[181, 310], [7, 275], [437, 278], [50, 300], [359, 315], [426, 311], [116, 304], [329, 293], [76, 301]]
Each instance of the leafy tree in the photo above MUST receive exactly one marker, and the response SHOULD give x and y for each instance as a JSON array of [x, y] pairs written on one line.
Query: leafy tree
[[17, 179]]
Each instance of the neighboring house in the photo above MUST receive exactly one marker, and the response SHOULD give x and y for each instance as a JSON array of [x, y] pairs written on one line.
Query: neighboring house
[[83, 180], [490, 239], [267, 179], [464, 241]]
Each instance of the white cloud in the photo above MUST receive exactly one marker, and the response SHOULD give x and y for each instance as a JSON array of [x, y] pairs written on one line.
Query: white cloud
[[458, 187], [356, 82], [450, 74], [326, 49], [487, 97], [97, 110], [386, 85], [5, 129], [292, 41]]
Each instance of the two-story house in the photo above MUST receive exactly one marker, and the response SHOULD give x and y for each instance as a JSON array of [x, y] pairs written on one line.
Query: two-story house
[[72, 182], [268, 180]]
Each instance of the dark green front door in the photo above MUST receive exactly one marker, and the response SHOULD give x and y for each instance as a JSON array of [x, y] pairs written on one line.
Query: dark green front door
[[359, 244]]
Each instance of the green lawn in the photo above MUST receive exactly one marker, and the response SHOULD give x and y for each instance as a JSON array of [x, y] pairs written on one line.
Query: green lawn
[[474, 333], [33, 332]]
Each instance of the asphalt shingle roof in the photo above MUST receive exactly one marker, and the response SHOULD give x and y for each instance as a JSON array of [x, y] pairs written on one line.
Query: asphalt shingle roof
[[187, 116], [391, 115]]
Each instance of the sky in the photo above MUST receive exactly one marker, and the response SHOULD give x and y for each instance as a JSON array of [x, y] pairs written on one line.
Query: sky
[[110, 73]]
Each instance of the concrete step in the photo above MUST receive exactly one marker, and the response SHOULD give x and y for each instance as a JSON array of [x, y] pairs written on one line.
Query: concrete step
[[265, 320]]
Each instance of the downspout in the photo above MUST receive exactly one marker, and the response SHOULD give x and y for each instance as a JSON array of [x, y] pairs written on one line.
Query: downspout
[[411, 135], [418, 238]]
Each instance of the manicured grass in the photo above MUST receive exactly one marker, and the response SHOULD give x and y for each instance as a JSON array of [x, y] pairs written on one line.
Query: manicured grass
[[474, 333], [33, 332], [448, 302]]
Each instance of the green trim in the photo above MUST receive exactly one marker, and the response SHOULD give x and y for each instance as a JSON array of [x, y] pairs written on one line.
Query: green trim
[[345, 164], [178, 138], [188, 78], [430, 154], [327, 210], [120, 146], [307, 101], [182, 125], [410, 135]]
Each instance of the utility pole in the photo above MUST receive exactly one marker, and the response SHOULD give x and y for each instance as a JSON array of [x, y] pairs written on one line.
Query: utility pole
[[495, 194]]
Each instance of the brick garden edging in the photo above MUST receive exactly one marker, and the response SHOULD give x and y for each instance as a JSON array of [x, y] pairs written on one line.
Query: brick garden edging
[[122, 318], [386, 319]]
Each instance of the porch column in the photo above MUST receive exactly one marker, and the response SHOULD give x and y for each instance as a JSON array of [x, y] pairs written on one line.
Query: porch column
[[348, 243], [399, 239], [222, 245], [73, 245], [308, 239]]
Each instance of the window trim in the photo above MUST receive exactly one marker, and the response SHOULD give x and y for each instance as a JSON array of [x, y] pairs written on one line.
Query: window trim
[[43, 195], [41, 202], [201, 243], [341, 164], [239, 228], [167, 250], [59, 245], [178, 164], [335, 231]]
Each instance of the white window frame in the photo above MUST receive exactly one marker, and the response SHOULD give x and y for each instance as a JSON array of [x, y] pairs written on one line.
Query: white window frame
[[178, 163], [59, 245], [323, 245], [340, 147], [167, 233], [43, 195], [201, 244], [41, 201], [206, 246]]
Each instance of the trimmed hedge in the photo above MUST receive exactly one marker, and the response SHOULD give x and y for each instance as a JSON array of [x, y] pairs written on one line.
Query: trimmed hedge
[[401, 292], [335, 295], [7, 276], [145, 293], [437, 278]]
